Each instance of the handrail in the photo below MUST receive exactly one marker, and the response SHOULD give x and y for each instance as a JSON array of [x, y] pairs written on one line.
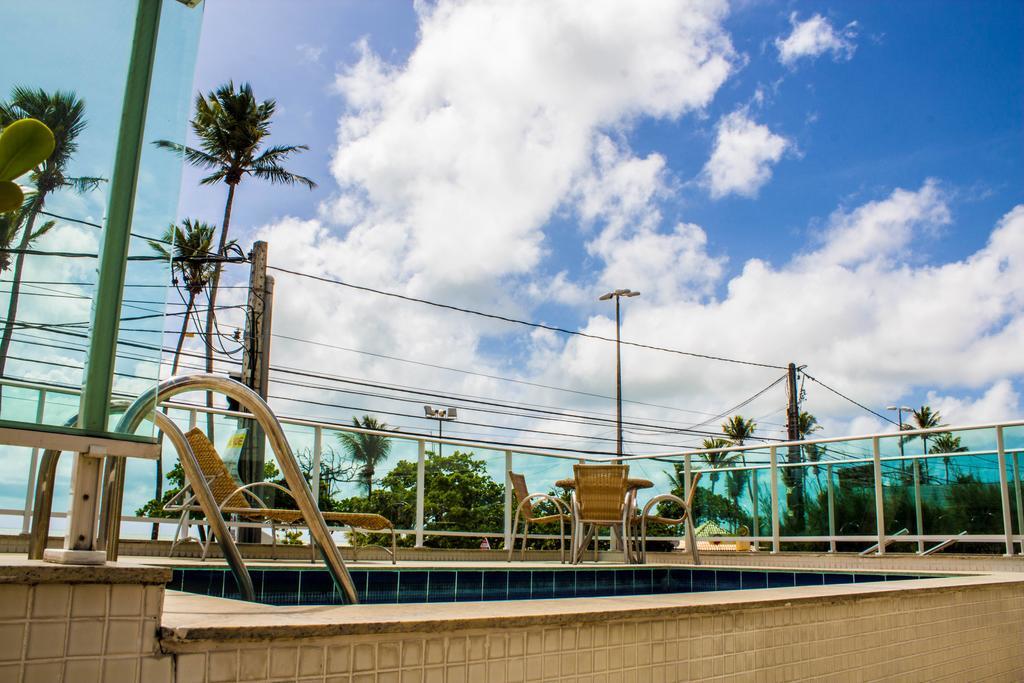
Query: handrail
[[889, 540], [943, 545], [146, 403]]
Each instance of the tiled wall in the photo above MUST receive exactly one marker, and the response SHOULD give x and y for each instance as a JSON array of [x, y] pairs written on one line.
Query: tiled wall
[[84, 632], [971, 634]]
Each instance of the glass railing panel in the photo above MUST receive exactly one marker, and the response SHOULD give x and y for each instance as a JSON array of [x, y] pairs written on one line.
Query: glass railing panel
[[853, 490]]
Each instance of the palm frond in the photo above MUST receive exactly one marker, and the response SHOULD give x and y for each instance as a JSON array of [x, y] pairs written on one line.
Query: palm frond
[[277, 175], [42, 230]]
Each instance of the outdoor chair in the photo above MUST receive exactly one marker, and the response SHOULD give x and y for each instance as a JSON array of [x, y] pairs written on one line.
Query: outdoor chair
[[599, 500], [687, 517], [241, 501], [524, 508]]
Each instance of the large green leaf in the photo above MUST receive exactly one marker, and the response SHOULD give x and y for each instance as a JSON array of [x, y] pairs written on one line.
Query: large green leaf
[[11, 196], [24, 145]]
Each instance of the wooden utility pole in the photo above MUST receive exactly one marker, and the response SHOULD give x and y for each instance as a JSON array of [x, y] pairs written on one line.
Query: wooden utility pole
[[256, 368], [795, 478]]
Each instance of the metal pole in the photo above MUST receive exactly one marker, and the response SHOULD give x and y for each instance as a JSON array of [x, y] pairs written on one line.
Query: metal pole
[[831, 511], [687, 483], [317, 454], [421, 468], [774, 466], [1004, 492], [1020, 499], [618, 383], [80, 543], [508, 500], [879, 500], [30, 488]]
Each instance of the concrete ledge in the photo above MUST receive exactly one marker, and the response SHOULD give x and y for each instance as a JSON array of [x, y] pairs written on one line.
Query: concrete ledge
[[22, 571]]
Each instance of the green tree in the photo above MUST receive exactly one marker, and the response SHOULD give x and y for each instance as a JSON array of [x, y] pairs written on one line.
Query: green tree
[[947, 443], [366, 450], [10, 224], [714, 461], [923, 418], [739, 430], [232, 128], [64, 113]]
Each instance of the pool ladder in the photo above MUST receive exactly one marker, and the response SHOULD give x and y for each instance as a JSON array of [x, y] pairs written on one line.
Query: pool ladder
[[143, 408]]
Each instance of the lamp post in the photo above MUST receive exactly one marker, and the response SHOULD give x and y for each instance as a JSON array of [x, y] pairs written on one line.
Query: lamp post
[[442, 415], [918, 513], [618, 294]]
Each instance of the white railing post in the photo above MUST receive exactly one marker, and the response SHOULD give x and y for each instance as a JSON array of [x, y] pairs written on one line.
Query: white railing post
[[876, 460], [918, 514], [1004, 492], [421, 473], [687, 483], [774, 465], [508, 500], [831, 511], [1020, 499], [30, 489], [318, 443], [192, 419]]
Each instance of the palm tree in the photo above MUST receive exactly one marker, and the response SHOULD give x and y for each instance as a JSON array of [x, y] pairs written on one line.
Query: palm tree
[[232, 128], [807, 424], [367, 450], [64, 114], [716, 461], [923, 418], [947, 443], [10, 223], [193, 243], [739, 430]]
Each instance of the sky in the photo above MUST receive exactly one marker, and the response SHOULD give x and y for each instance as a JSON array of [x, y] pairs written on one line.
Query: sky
[[839, 185]]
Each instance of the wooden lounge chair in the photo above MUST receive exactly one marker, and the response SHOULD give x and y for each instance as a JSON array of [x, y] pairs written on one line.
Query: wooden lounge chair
[[232, 500], [687, 507], [599, 500], [525, 509]]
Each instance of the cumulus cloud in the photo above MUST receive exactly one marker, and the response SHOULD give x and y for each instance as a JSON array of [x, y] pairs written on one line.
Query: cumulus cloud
[[743, 156], [814, 37]]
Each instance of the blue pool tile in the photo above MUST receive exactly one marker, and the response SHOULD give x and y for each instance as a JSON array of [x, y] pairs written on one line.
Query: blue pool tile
[[519, 585], [281, 587], [750, 580], [643, 581], [202, 581], [565, 584], [176, 577], [659, 580], [381, 587], [412, 586], [680, 581], [703, 580], [316, 588], [441, 587], [809, 579], [469, 586], [624, 582], [780, 579], [586, 583], [868, 578], [898, 577], [728, 580], [832, 579], [543, 584], [495, 585], [604, 582]]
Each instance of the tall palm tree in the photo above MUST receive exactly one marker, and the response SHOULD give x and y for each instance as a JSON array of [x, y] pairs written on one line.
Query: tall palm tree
[[63, 112], [947, 443], [366, 450], [232, 128], [923, 418], [10, 224], [739, 430], [193, 244], [716, 461], [807, 424]]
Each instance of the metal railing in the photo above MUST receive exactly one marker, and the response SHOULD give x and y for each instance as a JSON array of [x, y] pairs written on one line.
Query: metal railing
[[761, 460]]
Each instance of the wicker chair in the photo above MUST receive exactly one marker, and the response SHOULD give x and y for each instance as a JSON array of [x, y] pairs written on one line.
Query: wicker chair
[[687, 516], [526, 503], [231, 498], [599, 500]]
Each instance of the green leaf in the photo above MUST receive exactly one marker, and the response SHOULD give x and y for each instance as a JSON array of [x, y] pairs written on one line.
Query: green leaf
[[11, 196], [24, 145]]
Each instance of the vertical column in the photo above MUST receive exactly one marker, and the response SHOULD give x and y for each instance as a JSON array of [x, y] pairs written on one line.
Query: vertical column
[[876, 459], [687, 483], [831, 512], [318, 436], [508, 500], [773, 463], [1020, 499], [421, 468], [30, 489], [1004, 492], [918, 514]]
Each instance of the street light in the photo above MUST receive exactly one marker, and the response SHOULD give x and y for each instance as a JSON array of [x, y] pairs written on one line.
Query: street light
[[442, 415], [618, 294], [899, 418]]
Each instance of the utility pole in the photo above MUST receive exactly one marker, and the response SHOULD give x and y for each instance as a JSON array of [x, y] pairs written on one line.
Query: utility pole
[[256, 369], [796, 476]]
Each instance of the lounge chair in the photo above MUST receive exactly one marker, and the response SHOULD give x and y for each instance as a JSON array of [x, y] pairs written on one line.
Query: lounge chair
[[525, 509], [231, 498], [687, 516]]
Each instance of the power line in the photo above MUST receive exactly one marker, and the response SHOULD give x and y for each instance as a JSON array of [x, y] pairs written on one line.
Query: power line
[[844, 396], [543, 326]]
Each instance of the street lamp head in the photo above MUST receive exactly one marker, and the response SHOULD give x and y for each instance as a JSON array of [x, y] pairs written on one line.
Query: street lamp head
[[452, 413], [428, 411], [605, 297], [631, 293], [890, 407], [907, 408]]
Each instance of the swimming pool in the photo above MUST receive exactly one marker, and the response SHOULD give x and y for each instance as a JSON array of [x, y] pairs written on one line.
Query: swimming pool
[[382, 586]]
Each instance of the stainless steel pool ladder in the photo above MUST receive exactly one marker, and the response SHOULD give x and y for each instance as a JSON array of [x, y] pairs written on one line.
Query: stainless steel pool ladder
[[891, 538], [144, 407]]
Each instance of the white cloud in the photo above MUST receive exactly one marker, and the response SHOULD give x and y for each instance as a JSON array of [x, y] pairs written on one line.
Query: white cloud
[[310, 54], [814, 37], [741, 162]]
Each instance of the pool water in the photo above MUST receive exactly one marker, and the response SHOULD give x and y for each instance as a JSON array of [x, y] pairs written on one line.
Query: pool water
[[380, 586]]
